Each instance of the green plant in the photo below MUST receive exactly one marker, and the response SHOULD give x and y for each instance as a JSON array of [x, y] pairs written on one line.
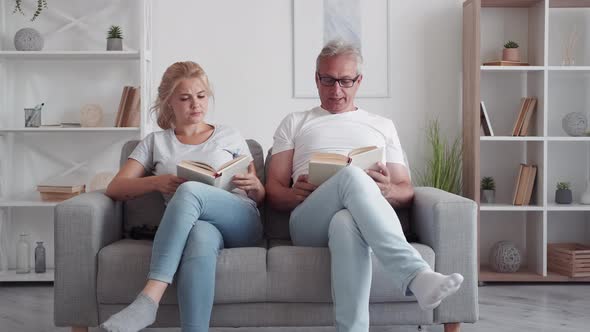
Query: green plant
[[563, 185], [487, 183], [115, 32], [443, 165], [41, 4], [511, 44]]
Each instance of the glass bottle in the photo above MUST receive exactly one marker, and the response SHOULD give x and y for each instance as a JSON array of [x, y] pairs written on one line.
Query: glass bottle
[[40, 258], [23, 252]]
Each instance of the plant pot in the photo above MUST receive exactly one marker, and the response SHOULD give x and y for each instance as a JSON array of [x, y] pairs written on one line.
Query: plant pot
[[511, 54], [563, 196], [114, 44], [488, 196]]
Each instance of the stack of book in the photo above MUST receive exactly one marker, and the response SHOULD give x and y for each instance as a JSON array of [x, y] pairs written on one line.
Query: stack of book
[[129, 114], [51, 193], [525, 183], [523, 120]]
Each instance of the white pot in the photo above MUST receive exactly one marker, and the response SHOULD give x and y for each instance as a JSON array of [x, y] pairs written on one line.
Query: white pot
[[488, 196], [114, 44]]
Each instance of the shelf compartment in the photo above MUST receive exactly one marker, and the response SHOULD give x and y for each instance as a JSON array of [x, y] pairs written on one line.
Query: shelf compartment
[[569, 3], [568, 227], [505, 169], [502, 92], [523, 228], [512, 68], [12, 276], [567, 93], [563, 24], [501, 22], [568, 162]]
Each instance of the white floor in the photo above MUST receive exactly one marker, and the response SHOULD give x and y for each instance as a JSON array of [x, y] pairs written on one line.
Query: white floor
[[547, 307]]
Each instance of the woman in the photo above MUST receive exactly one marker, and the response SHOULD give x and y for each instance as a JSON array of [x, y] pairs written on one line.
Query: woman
[[199, 219]]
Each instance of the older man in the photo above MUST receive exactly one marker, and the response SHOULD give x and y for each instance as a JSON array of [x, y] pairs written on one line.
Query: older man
[[354, 209]]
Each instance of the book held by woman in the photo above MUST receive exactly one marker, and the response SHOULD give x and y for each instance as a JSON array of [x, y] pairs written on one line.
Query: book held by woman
[[220, 177]]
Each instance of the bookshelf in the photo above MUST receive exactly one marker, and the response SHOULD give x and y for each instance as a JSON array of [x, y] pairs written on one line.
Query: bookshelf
[[72, 70], [541, 27]]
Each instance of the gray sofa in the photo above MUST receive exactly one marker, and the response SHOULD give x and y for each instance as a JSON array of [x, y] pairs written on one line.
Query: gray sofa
[[99, 271]]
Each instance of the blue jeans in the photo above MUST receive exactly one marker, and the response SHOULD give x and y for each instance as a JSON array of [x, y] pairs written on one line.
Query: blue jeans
[[348, 214], [199, 221]]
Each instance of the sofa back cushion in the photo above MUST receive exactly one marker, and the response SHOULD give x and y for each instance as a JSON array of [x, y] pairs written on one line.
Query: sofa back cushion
[[276, 223], [148, 209]]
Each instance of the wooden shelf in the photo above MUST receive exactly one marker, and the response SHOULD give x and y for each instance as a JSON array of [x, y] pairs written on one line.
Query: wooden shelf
[[69, 55], [12, 276], [510, 3], [75, 129], [512, 68], [511, 138], [487, 275], [509, 207], [569, 3]]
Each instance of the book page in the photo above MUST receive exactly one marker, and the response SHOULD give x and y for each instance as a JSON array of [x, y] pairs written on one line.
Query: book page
[[368, 159]]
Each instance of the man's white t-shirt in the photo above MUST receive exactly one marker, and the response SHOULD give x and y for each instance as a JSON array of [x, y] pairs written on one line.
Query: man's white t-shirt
[[318, 130]]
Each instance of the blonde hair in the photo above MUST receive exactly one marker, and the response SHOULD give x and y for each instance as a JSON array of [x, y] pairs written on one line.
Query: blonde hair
[[340, 47], [172, 76]]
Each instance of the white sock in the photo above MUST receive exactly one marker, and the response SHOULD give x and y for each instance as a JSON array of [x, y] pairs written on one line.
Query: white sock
[[138, 315], [430, 287]]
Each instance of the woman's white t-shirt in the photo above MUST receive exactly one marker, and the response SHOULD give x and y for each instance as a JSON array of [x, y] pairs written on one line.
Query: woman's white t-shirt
[[161, 151], [318, 130]]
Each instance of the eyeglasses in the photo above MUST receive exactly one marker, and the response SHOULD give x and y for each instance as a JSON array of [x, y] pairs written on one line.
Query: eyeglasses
[[343, 82]]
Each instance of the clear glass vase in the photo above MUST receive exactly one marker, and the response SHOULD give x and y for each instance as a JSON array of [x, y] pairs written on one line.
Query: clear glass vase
[[23, 254]]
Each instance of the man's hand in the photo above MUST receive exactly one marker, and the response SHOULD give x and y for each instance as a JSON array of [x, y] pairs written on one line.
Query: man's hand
[[302, 188], [167, 183], [382, 178]]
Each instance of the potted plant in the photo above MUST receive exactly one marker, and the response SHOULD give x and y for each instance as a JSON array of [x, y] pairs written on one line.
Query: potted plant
[[40, 5], [488, 190], [443, 165], [114, 38], [510, 52], [563, 194]]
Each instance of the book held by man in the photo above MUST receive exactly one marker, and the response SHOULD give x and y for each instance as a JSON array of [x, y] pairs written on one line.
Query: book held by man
[[323, 165], [220, 177]]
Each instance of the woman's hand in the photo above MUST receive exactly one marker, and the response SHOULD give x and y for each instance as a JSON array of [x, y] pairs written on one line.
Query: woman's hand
[[167, 183], [250, 183]]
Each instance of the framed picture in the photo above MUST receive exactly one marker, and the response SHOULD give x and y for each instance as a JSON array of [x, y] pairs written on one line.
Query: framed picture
[[365, 23]]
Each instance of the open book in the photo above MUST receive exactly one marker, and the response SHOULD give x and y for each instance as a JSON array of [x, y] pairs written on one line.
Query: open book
[[323, 165], [220, 177]]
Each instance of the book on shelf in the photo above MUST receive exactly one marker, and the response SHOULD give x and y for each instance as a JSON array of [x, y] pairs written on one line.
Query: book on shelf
[[220, 177], [323, 165], [525, 183], [525, 113], [484, 120], [129, 113]]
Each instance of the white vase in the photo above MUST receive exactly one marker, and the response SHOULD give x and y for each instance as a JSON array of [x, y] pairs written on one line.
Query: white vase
[[585, 199]]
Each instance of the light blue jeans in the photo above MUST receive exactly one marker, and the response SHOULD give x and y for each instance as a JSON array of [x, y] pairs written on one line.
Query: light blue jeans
[[348, 214], [199, 221]]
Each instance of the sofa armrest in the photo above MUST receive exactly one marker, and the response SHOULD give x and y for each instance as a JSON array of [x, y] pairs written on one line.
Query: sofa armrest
[[83, 226], [448, 224]]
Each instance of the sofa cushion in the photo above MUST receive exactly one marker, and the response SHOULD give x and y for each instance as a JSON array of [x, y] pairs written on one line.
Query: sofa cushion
[[149, 208], [302, 274], [123, 267]]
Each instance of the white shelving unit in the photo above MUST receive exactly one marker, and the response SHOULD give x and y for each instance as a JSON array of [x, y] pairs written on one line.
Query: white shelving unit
[[72, 70], [540, 27]]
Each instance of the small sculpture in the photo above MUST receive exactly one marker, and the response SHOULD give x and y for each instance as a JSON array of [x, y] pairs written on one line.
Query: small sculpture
[[505, 257]]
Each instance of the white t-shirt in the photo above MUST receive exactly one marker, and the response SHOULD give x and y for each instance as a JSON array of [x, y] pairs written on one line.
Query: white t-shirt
[[161, 151], [318, 130]]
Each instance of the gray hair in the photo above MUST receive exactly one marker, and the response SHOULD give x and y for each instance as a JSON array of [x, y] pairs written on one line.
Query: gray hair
[[340, 47]]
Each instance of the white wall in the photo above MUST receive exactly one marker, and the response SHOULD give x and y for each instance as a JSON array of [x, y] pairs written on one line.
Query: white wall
[[246, 48]]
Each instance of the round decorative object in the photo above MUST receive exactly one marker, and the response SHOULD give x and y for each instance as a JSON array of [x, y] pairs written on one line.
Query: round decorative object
[[28, 39], [505, 257], [100, 181], [575, 124], [91, 115]]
